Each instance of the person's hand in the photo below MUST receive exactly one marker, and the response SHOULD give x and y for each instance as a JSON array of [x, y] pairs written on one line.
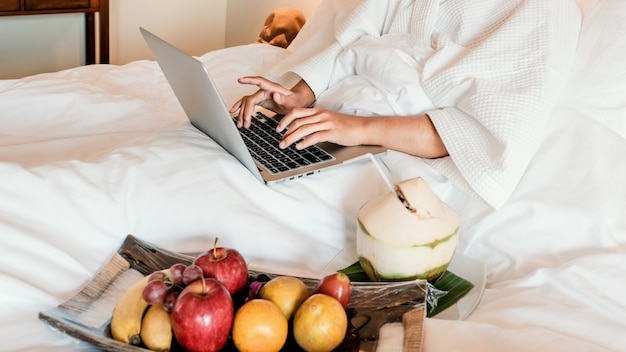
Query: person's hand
[[270, 95], [308, 126]]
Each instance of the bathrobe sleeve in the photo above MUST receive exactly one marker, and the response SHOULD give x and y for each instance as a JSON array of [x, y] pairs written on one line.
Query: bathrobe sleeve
[[332, 27]]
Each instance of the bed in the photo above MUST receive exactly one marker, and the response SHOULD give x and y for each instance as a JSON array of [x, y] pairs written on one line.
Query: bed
[[92, 154]]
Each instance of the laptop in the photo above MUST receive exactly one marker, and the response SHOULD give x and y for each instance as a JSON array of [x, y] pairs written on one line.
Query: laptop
[[198, 95]]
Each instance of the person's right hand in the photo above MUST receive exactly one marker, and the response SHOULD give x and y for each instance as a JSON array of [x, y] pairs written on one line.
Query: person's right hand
[[270, 95]]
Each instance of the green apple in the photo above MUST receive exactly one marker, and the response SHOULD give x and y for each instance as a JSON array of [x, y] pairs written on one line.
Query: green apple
[[408, 234]]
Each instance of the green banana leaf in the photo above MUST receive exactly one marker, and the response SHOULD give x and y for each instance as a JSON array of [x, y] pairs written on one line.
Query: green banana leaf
[[443, 293]]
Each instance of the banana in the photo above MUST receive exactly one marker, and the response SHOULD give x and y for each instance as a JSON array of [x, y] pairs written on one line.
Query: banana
[[128, 313], [156, 329]]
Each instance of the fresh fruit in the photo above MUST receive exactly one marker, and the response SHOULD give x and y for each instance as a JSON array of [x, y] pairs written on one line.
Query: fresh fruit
[[410, 234], [259, 326], [155, 291], [191, 274], [156, 329], [336, 285], [286, 292], [128, 313], [226, 265], [203, 315], [170, 300], [157, 276], [320, 324], [177, 271], [253, 291]]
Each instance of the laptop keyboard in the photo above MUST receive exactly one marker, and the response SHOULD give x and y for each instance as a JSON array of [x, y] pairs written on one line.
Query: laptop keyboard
[[262, 141]]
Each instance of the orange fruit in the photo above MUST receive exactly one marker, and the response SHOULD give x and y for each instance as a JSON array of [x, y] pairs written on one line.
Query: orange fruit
[[287, 292], [259, 325], [320, 323]]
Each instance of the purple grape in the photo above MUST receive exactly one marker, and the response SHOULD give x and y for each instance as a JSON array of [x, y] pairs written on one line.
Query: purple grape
[[170, 300], [255, 287], [192, 273], [157, 275], [154, 292], [176, 271]]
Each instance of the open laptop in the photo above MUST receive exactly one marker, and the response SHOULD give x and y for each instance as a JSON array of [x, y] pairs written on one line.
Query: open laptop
[[201, 101]]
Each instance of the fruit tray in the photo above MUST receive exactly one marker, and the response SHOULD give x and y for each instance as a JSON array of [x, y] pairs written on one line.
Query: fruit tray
[[86, 316]]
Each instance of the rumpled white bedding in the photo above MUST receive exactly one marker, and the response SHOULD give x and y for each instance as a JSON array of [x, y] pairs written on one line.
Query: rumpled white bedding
[[94, 153]]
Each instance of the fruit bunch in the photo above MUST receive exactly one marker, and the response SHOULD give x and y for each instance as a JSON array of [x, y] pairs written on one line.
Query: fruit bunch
[[215, 301], [284, 310], [192, 304]]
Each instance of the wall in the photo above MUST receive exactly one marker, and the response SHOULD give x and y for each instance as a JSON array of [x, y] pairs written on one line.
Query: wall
[[245, 18], [37, 44], [194, 26]]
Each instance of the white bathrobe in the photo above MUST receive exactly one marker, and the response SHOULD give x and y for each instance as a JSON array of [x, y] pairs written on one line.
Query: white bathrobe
[[486, 72]]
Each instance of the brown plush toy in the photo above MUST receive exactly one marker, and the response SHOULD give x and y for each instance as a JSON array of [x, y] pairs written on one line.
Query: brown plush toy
[[281, 26]]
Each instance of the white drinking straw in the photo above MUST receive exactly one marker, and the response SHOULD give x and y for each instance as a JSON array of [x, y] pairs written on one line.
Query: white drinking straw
[[378, 168], [381, 172]]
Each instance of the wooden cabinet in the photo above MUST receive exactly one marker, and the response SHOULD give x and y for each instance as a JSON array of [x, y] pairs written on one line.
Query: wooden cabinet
[[88, 7], [36, 5], [9, 5]]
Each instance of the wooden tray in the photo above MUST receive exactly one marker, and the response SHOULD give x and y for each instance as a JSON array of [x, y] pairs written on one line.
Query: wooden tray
[[86, 316]]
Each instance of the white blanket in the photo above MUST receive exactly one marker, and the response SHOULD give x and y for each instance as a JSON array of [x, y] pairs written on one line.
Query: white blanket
[[94, 153]]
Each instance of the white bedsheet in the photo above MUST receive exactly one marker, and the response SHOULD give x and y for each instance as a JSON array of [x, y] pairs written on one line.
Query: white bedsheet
[[92, 154]]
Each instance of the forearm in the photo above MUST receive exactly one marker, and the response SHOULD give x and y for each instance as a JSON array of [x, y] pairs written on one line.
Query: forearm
[[415, 135]]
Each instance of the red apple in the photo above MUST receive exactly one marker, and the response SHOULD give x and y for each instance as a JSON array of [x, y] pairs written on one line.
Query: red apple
[[225, 264], [203, 316], [336, 285]]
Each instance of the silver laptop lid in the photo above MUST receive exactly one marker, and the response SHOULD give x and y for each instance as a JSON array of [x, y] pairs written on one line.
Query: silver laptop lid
[[206, 111]]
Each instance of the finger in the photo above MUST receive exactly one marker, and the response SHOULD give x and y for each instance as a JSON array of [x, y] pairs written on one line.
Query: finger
[[245, 114], [235, 107], [239, 109], [310, 140], [264, 84], [249, 108], [303, 132], [289, 118], [302, 142], [283, 123]]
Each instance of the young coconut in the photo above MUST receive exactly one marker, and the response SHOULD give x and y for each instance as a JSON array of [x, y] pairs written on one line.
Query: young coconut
[[407, 235]]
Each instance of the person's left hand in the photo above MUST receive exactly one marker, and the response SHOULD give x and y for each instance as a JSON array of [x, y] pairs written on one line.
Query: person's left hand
[[270, 95], [308, 126]]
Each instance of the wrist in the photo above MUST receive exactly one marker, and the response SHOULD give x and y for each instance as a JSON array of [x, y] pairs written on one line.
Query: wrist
[[304, 93]]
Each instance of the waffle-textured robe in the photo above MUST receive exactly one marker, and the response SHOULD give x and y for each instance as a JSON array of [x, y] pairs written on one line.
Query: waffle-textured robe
[[486, 72]]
